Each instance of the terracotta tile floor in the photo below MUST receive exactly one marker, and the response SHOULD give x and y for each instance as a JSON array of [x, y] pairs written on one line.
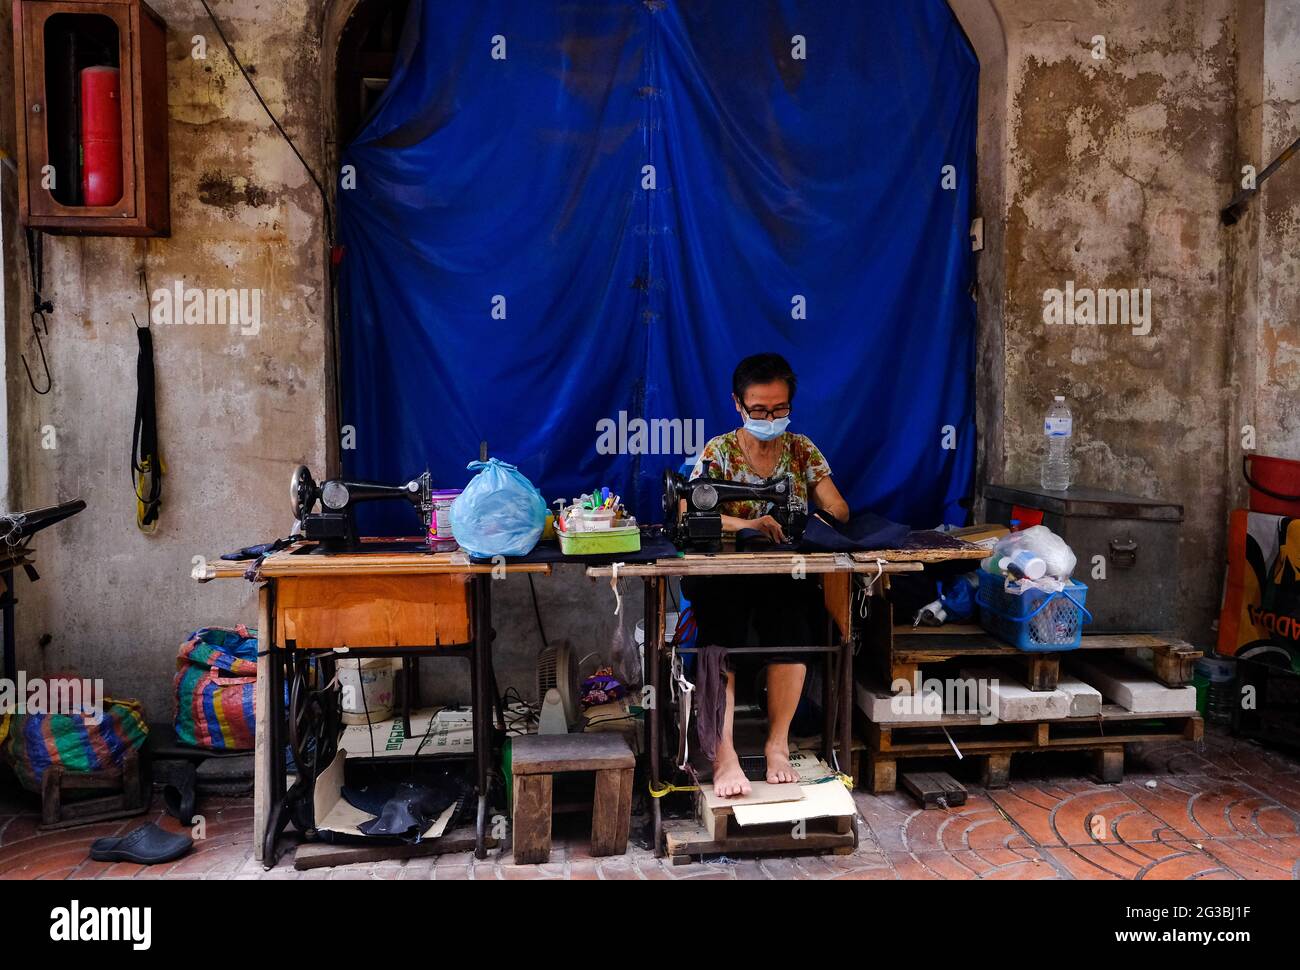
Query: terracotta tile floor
[[1228, 809]]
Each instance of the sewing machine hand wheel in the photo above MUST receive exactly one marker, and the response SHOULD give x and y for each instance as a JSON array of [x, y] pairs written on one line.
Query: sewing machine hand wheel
[[302, 492]]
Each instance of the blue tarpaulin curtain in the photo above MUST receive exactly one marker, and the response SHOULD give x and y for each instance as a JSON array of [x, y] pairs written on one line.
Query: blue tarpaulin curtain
[[568, 216]]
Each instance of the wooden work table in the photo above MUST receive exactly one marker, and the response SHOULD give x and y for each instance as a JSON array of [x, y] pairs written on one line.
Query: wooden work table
[[836, 572], [315, 607], [382, 603]]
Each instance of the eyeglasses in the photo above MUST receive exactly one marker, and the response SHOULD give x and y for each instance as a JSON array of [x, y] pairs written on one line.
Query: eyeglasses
[[767, 414]]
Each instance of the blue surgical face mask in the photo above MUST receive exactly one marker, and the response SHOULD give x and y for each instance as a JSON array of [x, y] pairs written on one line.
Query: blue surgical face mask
[[766, 430]]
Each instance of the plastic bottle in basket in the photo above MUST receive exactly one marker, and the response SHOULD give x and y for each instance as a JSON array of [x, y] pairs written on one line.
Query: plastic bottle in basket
[[1058, 432]]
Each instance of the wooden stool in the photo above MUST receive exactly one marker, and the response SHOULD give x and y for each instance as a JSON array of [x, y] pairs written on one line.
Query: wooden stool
[[130, 786], [535, 758]]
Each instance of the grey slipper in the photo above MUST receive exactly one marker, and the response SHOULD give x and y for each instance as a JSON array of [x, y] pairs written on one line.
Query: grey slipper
[[148, 845]]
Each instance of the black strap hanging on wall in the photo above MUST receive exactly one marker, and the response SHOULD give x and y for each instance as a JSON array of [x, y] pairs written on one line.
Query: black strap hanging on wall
[[40, 307], [147, 467]]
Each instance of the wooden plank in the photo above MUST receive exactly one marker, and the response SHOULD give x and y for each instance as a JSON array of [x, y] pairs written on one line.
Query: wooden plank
[[923, 555], [611, 816], [1060, 734], [1108, 764], [837, 595], [684, 839], [319, 855], [261, 736], [1174, 666], [1125, 641], [903, 676], [531, 819], [1095, 641], [996, 772], [882, 774], [934, 648], [288, 562], [935, 789], [969, 748], [323, 612], [1043, 670], [738, 564], [948, 629], [555, 753]]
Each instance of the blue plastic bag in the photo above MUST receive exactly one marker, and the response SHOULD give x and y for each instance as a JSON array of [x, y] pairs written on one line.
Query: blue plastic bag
[[499, 513]]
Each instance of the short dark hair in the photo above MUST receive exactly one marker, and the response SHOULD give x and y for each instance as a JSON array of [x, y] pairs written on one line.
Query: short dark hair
[[762, 369]]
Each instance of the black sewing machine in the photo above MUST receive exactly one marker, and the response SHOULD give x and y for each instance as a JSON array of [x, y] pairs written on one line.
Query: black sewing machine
[[699, 525], [335, 525]]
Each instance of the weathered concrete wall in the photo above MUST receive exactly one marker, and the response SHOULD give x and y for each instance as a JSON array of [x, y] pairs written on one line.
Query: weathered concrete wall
[[1264, 247], [236, 412], [1116, 170], [1277, 402]]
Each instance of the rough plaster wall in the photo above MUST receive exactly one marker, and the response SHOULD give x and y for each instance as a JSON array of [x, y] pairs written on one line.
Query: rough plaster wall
[[9, 229], [235, 412], [1277, 401], [983, 27], [1116, 172]]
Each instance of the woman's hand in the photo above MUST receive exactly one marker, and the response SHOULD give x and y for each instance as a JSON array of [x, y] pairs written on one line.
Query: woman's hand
[[769, 527]]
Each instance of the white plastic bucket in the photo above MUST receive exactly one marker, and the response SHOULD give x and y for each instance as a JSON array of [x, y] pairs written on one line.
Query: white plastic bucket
[[367, 690]]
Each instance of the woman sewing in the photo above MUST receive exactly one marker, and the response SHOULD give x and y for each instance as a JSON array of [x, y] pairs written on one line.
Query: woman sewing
[[763, 611]]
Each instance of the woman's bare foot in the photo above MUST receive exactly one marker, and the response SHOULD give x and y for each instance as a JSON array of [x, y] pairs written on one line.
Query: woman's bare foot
[[779, 770], [728, 780]]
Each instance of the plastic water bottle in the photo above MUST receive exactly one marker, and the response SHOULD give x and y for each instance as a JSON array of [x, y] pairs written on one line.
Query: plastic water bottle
[[1058, 429]]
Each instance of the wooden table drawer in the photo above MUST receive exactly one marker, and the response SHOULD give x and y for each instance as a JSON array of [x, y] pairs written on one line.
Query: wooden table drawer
[[319, 612]]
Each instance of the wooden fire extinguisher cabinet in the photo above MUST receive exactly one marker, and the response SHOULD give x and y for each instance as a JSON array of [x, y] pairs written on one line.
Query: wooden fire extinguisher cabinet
[[67, 149]]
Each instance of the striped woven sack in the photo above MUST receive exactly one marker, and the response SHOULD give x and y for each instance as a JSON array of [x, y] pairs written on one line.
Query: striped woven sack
[[216, 672], [76, 742]]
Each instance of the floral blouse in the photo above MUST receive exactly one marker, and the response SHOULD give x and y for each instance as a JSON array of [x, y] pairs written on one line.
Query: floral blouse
[[799, 456]]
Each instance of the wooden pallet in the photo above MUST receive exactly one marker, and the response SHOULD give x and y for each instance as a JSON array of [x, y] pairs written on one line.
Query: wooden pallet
[[1104, 737], [318, 855], [908, 650], [714, 830], [686, 839]]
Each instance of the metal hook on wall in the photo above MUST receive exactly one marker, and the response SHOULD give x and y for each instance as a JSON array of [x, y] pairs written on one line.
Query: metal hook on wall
[[39, 325], [40, 307]]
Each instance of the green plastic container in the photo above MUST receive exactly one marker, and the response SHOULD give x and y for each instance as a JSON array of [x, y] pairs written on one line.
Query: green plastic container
[[600, 542]]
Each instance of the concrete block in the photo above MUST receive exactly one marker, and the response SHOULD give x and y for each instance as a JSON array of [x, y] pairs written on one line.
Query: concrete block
[[1085, 700], [1133, 688], [882, 707], [1011, 700]]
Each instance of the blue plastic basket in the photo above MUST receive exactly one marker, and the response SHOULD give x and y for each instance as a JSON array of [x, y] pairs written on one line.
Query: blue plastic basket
[[1033, 620]]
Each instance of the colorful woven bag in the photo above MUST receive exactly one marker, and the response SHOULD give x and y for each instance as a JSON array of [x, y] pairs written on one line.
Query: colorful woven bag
[[77, 742], [216, 672]]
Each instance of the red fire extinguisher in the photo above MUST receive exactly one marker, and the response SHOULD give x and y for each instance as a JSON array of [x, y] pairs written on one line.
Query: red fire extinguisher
[[101, 136]]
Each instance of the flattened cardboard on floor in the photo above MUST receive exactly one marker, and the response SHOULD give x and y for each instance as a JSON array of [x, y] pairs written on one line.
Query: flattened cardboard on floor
[[334, 814]]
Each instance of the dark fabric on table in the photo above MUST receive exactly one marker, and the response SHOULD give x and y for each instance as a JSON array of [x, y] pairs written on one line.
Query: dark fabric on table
[[865, 532], [861, 532]]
